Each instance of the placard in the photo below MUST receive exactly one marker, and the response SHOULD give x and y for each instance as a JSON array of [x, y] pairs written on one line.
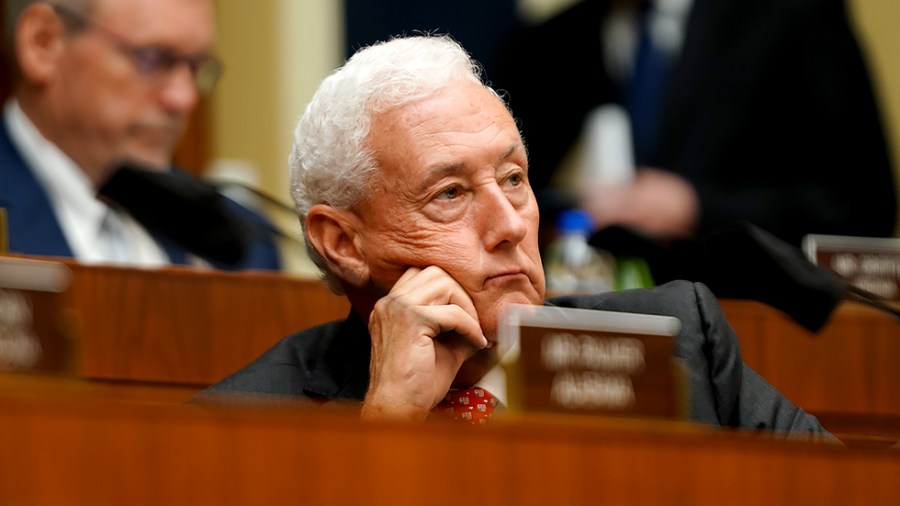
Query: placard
[[579, 361], [33, 330], [869, 263]]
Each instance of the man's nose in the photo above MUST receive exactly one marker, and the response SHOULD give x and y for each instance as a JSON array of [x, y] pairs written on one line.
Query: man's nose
[[502, 223], [179, 92]]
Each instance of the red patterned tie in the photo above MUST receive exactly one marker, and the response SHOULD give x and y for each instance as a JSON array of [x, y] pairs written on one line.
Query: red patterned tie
[[472, 405]]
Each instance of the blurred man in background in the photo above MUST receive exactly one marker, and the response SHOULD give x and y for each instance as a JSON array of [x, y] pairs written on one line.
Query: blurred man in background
[[757, 111], [101, 84]]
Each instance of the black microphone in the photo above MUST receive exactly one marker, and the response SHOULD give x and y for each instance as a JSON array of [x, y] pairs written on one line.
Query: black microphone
[[187, 210], [744, 261], [223, 185]]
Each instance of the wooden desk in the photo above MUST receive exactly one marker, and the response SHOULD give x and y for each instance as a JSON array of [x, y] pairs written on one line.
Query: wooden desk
[[53, 388], [190, 327], [846, 374], [98, 452], [176, 325]]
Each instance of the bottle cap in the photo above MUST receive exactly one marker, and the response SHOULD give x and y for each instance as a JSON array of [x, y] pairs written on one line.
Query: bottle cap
[[575, 220]]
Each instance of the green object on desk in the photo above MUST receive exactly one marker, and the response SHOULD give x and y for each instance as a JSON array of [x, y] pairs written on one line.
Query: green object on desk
[[633, 272]]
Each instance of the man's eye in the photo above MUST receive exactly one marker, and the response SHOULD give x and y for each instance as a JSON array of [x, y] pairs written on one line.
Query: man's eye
[[515, 179], [152, 59], [450, 193]]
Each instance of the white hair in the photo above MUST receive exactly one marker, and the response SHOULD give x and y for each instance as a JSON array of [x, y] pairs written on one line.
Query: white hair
[[331, 162]]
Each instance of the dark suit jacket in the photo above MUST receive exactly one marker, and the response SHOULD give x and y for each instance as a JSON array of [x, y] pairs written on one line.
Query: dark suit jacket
[[34, 229], [769, 112], [331, 361]]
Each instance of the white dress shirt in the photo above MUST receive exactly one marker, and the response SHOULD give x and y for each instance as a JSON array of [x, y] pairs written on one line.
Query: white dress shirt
[[96, 232], [495, 383]]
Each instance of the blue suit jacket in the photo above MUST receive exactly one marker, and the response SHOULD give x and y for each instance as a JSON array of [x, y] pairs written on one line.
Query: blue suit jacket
[[34, 229]]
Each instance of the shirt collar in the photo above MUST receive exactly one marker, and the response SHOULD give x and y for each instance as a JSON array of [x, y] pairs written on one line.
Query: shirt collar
[[73, 199], [71, 193]]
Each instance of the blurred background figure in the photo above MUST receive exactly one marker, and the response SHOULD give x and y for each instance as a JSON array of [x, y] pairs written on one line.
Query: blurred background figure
[[99, 85], [673, 118]]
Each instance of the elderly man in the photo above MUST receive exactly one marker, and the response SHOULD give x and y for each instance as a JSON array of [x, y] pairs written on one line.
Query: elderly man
[[99, 84], [411, 182]]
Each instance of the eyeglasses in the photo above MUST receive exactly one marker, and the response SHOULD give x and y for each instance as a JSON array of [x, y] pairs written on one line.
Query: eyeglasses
[[151, 61]]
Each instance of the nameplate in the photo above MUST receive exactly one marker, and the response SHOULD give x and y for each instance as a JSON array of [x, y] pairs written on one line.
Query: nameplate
[[579, 361], [33, 326], [869, 263]]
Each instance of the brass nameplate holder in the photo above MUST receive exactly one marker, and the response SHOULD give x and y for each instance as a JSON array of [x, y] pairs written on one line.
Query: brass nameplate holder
[[868, 263], [579, 361]]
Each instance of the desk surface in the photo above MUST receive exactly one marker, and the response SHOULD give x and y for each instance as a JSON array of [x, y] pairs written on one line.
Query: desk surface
[[101, 451]]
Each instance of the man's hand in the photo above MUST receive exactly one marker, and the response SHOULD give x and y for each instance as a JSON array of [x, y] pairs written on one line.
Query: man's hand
[[657, 202], [422, 332]]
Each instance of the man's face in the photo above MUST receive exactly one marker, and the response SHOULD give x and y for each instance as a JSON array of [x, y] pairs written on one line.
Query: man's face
[[453, 192], [105, 110]]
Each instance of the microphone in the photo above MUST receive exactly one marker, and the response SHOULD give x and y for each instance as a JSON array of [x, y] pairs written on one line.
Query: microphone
[[225, 184], [746, 262], [184, 209]]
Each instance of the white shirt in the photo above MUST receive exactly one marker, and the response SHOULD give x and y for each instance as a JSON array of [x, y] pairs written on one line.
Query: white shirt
[[495, 383], [95, 231]]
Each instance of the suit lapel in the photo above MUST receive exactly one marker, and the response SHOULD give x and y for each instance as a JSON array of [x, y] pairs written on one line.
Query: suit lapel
[[33, 228]]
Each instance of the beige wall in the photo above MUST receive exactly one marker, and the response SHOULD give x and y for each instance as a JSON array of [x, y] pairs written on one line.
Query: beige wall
[[277, 51], [878, 26]]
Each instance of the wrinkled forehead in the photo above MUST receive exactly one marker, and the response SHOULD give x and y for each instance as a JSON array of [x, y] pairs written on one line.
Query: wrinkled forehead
[[459, 119]]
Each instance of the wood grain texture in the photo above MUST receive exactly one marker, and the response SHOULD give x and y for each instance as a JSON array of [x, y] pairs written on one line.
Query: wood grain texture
[[180, 325], [850, 366], [194, 327], [78, 452]]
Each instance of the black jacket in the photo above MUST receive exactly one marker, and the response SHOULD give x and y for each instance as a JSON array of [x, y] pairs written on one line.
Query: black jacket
[[331, 361]]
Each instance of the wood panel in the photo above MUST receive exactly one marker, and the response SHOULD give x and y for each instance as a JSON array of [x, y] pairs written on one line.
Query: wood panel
[[55, 388], [188, 326], [194, 327], [846, 374], [850, 366], [175, 325], [78, 452]]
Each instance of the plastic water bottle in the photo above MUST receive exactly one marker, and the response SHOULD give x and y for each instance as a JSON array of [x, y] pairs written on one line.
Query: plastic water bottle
[[572, 265]]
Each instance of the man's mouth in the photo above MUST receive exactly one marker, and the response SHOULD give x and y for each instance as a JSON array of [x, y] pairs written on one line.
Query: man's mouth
[[506, 277]]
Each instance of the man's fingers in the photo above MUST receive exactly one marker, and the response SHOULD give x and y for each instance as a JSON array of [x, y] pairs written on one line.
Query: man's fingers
[[432, 286], [454, 319]]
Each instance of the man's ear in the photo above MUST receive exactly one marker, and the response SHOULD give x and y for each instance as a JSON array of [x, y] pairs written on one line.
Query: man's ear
[[334, 234], [39, 39]]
